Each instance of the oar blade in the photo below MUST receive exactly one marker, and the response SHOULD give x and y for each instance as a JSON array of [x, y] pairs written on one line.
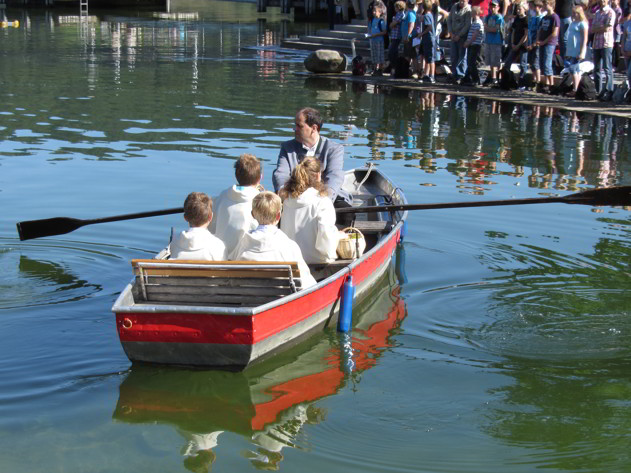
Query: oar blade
[[47, 227], [616, 196]]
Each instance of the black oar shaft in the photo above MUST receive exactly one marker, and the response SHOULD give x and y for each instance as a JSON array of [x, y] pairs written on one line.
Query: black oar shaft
[[117, 218], [618, 196]]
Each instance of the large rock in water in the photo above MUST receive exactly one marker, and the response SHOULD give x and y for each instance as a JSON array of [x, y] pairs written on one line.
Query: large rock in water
[[325, 60]]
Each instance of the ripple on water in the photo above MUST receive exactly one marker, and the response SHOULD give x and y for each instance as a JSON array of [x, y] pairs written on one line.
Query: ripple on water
[[56, 322], [556, 306], [49, 274]]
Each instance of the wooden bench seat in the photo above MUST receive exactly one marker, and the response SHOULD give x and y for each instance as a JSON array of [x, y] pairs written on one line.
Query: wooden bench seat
[[222, 283]]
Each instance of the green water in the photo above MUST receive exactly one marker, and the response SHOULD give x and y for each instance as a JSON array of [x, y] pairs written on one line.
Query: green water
[[506, 348]]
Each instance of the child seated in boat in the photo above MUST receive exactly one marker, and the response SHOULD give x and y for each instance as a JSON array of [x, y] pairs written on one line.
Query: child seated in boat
[[267, 242], [308, 213], [233, 207], [197, 243]]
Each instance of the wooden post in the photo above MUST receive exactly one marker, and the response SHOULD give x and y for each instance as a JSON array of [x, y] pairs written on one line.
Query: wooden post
[[285, 6], [261, 5]]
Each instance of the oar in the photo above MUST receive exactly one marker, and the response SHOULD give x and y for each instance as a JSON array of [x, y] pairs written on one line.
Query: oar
[[60, 225], [620, 196]]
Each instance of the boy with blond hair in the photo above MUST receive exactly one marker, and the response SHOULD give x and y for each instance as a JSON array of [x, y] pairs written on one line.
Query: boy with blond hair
[[197, 243], [267, 242], [233, 207]]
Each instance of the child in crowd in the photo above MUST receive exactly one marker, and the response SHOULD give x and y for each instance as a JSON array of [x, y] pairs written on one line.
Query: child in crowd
[[626, 42], [547, 40], [233, 207], [428, 42], [197, 243], [518, 40], [267, 242], [473, 44], [407, 30], [493, 27], [536, 14], [576, 47], [617, 33], [395, 32], [377, 29], [458, 23], [602, 26], [308, 213]]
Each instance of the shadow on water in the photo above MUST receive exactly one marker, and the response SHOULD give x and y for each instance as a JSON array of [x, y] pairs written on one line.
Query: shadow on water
[[268, 403]]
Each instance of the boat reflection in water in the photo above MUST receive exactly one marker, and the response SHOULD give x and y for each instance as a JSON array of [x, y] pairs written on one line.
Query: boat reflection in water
[[270, 401]]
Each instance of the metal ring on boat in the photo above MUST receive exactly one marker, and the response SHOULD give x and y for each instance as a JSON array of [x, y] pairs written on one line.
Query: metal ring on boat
[[127, 323]]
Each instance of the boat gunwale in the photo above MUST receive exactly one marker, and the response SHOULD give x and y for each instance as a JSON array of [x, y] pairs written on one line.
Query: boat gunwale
[[121, 307]]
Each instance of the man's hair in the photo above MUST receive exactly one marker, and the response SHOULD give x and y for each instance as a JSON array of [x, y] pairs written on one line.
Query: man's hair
[[477, 10], [400, 5], [265, 207], [311, 116], [304, 176], [247, 170], [198, 208], [551, 3]]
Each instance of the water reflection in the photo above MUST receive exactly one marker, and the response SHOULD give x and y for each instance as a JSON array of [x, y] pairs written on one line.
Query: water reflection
[[558, 306], [84, 116], [578, 412], [268, 403], [564, 149], [44, 281]]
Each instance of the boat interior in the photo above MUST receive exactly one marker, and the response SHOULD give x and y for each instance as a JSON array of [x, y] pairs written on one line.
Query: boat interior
[[249, 284]]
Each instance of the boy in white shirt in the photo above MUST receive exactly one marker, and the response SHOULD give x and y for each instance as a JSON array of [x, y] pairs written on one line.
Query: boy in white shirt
[[267, 242], [197, 243], [233, 207]]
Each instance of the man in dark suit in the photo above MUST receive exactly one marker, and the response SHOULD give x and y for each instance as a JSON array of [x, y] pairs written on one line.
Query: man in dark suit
[[309, 142]]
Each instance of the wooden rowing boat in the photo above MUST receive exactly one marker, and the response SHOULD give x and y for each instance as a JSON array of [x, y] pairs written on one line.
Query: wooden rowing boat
[[230, 314], [269, 402]]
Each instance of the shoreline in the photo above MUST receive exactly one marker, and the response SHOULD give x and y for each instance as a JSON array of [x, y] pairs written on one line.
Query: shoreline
[[516, 96]]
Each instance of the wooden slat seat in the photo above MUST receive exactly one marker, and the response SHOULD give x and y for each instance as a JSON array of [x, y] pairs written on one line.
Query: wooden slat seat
[[222, 283], [373, 226]]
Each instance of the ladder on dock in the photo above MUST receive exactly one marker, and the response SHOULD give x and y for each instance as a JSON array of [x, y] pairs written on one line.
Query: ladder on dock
[[84, 24], [83, 8]]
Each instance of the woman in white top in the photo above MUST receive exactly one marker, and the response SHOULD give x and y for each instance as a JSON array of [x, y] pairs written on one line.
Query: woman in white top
[[308, 213]]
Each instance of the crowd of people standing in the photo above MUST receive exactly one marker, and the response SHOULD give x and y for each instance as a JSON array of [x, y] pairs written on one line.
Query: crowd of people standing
[[543, 38]]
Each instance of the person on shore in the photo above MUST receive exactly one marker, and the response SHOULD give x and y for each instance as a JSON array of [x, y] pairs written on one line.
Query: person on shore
[[576, 47], [440, 18], [602, 48], [547, 41], [377, 30], [534, 21], [309, 142], [407, 29], [233, 207], [617, 34], [428, 43], [395, 33], [563, 9], [518, 41], [473, 45], [493, 28], [626, 43], [197, 243], [267, 242], [458, 23], [308, 215]]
